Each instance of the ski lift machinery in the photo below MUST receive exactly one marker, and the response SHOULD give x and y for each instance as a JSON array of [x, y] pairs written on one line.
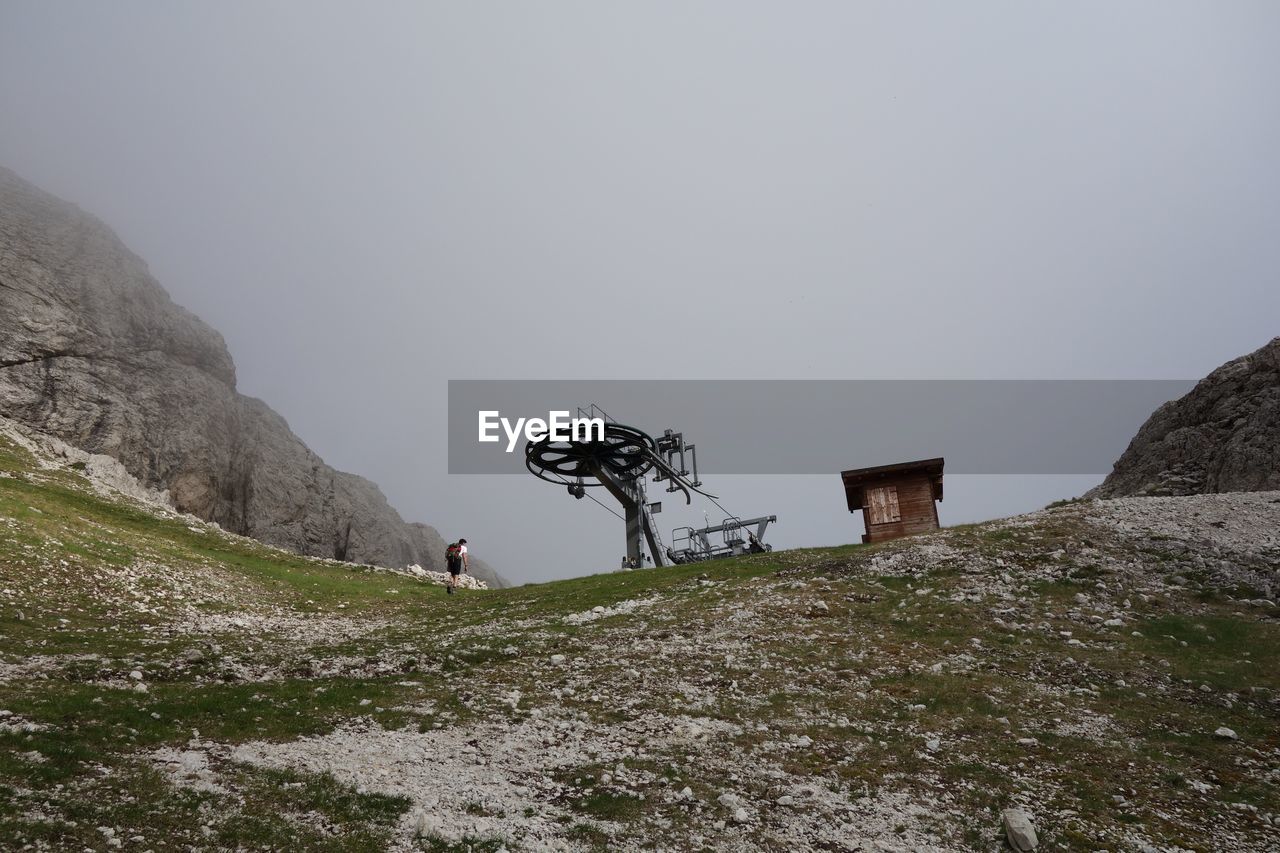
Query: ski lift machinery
[[621, 462]]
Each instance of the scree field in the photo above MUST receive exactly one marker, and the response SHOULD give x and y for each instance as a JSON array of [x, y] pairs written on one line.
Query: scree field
[[1110, 668]]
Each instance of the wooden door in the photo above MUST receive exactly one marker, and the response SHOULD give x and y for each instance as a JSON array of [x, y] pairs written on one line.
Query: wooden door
[[882, 502]]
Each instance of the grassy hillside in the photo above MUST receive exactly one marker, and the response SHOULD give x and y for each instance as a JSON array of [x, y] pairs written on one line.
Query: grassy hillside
[[164, 686]]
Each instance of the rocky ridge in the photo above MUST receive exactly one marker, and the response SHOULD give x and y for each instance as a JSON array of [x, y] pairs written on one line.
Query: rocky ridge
[[94, 352], [1223, 436]]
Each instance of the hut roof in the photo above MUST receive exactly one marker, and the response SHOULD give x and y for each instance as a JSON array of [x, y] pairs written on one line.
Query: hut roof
[[857, 479]]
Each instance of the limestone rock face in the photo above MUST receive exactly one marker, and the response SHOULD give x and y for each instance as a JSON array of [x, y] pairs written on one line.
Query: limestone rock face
[[1224, 436], [93, 351]]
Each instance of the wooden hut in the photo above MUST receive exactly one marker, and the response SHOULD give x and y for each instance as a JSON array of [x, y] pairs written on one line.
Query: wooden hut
[[896, 500]]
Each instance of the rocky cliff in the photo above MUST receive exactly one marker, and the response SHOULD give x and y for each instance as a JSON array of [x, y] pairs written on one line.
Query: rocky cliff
[[1224, 436], [93, 351]]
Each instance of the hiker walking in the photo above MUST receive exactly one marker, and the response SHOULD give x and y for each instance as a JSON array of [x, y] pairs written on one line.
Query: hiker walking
[[455, 558]]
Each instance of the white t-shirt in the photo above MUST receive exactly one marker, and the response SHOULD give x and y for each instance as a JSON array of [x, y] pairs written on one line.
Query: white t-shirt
[[462, 550]]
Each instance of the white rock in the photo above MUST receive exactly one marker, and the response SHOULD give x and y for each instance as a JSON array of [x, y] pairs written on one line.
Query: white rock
[[1226, 733], [423, 824], [558, 659], [1019, 831]]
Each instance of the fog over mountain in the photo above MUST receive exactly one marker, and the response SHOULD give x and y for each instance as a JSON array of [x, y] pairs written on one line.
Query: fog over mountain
[[368, 202], [94, 352]]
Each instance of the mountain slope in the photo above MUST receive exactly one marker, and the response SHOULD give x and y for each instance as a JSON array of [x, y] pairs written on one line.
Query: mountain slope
[[93, 351], [1224, 436], [1111, 668]]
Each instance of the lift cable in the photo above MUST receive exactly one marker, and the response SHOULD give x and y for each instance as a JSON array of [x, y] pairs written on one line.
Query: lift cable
[[589, 495], [615, 512], [726, 512], [657, 534]]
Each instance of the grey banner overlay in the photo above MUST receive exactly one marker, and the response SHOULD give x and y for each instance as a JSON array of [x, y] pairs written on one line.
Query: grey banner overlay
[[825, 426]]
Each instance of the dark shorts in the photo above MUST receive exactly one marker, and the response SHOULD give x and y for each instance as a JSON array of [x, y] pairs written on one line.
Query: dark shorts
[[455, 570]]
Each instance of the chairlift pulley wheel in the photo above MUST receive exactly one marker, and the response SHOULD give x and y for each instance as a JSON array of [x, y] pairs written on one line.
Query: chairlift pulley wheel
[[626, 452]]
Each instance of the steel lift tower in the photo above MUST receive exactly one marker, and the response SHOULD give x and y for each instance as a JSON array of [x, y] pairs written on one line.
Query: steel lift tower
[[620, 462]]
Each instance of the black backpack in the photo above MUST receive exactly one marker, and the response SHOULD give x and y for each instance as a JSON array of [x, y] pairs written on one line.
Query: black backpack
[[453, 554]]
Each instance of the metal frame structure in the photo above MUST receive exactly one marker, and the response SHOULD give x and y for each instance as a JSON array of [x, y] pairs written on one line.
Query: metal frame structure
[[620, 462], [690, 545]]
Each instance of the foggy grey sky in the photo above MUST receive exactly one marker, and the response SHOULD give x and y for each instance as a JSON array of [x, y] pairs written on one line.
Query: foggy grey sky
[[368, 200]]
